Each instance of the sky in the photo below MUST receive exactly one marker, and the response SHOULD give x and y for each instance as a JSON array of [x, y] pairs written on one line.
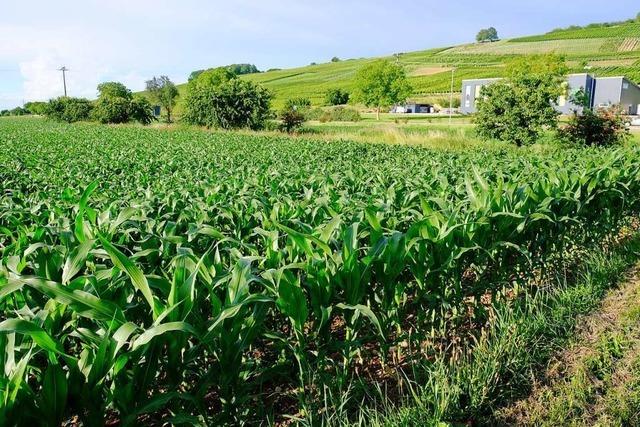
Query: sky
[[132, 40]]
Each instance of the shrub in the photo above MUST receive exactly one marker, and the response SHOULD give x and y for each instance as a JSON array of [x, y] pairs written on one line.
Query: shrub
[[291, 119], [337, 97], [227, 103], [603, 127], [336, 114], [294, 114], [298, 103], [69, 109], [335, 59]]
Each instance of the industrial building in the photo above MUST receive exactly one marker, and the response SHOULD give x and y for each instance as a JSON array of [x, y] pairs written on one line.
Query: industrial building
[[601, 92]]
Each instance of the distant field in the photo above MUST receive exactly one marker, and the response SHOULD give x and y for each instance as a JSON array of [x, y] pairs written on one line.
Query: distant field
[[587, 46], [608, 51], [623, 30]]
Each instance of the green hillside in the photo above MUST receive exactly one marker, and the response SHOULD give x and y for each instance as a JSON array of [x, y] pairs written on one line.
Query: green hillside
[[602, 50]]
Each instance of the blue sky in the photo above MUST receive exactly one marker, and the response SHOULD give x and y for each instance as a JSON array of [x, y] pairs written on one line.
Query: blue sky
[[132, 40]]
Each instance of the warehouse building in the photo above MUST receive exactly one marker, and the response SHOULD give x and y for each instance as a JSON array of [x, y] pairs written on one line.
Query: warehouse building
[[601, 92]]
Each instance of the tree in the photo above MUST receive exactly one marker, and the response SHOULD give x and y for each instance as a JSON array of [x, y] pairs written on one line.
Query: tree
[[116, 104], [381, 84], [242, 69], [519, 108], [141, 110], [114, 100], [335, 59], [218, 99], [36, 107], [487, 35], [336, 97], [69, 109], [164, 92], [114, 89]]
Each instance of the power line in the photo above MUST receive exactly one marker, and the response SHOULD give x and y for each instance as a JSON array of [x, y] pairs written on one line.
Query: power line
[[64, 78]]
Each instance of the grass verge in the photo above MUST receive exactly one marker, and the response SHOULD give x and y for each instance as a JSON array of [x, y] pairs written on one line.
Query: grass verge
[[513, 351]]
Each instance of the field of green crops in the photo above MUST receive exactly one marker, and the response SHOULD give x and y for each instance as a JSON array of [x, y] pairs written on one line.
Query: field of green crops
[[627, 29], [217, 278]]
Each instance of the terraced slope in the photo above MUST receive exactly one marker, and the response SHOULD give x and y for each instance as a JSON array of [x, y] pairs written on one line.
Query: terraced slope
[[604, 51]]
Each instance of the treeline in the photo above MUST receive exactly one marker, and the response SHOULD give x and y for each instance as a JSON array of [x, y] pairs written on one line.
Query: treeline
[[29, 108], [596, 25], [214, 98], [115, 104], [237, 69]]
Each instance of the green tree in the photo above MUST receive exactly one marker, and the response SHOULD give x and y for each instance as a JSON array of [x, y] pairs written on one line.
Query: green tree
[[114, 89], [519, 108], [381, 84], [163, 92], [487, 35], [113, 103], [217, 99], [116, 104], [335, 59], [141, 110], [36, 107], [336, 97]]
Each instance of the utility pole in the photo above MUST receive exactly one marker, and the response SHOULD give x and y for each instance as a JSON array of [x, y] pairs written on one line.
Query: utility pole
[[64, 78], [451, 97]]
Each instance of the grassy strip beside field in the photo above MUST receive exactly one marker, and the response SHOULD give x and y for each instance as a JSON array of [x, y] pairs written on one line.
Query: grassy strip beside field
[[525, 338]]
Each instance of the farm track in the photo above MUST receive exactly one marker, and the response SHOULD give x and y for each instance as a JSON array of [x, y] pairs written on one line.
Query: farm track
[[596, 381]]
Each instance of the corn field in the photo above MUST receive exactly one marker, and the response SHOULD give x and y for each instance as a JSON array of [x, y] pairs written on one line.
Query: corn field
[[188, 277]]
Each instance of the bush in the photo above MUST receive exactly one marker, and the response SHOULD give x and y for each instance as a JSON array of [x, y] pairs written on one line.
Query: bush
[[291, 119], [603, 127], [337, 114], [445, 101], [69, 109], [337, 97], [298, 103], [223, 101], [294, 114]]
